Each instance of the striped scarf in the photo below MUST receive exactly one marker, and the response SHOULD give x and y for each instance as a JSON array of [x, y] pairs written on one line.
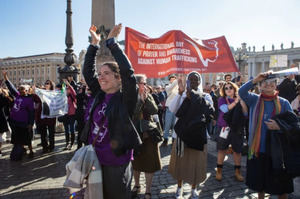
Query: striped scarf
[[257, 120]]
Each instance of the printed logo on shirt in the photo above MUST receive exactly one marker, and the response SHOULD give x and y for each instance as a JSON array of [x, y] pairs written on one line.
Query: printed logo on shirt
[[104, 130], [17, 105]]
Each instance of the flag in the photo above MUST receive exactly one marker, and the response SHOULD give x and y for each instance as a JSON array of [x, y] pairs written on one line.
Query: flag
[[175, 52], [54, 103]]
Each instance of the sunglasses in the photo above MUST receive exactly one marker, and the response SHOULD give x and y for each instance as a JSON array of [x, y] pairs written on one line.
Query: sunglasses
[[142, 83], [228, 88], [47, 83]]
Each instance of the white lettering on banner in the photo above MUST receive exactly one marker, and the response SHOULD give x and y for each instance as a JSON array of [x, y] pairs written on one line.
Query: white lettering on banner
[[179, 44], [163, 60], [162, 53], [184, 58], [141, 44], [150, 53], [146, 61], [151, 46], [178, 51]]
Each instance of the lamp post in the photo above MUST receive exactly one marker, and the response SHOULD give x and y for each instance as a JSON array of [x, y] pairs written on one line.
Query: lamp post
[[69, 59]]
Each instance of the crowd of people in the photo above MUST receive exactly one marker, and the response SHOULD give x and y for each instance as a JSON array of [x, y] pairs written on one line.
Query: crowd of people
[[127, 119]]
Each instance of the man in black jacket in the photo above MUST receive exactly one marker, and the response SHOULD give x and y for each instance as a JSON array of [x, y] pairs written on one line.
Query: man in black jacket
[[287, 88]]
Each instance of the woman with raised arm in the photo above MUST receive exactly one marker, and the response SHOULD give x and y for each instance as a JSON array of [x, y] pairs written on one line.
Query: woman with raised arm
[[21, 116], [111, 114], [229, 135], [262, 110], [188, 160]]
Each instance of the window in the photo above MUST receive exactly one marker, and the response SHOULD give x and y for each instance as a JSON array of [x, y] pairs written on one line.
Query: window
[[32, 72], [37, 71]]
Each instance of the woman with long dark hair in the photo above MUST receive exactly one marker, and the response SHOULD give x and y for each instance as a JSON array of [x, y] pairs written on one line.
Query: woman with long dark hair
[[111, 113]]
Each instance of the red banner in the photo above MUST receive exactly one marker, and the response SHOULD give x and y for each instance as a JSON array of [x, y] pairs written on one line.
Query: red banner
[[175, 52]]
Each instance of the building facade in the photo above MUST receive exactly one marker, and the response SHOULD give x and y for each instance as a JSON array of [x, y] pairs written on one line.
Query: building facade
[[35, 69], [260, 61]]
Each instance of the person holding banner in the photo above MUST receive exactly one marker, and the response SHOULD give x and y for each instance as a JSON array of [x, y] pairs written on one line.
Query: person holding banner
[[188, 160], [111, 114], [262, 108], [21, 115], [44, 124]]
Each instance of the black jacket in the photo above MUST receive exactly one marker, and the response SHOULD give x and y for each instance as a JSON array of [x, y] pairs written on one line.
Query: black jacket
[[235, 119], [283, 147], [287, 89], [193, 116], [120, 108], [4, 102]]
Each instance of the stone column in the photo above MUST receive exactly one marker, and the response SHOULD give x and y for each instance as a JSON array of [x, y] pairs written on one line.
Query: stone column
[[263, 67], [210, 78], [254, 69], [103, 13], [249, 70], [103, 17]]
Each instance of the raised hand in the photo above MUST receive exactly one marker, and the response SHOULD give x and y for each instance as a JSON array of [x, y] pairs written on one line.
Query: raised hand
[[181, 84], [66, 82], [95, 37], [261, 76], [115, 31], [4, 73]]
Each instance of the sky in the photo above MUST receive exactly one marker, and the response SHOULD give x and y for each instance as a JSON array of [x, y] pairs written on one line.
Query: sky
[[31, 27]]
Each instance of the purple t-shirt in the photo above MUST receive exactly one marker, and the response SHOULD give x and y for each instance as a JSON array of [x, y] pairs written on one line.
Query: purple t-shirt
[[221, 121], [87, 108], [102, 146], [22, 109]]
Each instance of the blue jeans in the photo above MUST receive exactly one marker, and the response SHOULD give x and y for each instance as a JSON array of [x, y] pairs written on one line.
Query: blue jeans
[[69, 125], [169, 123]]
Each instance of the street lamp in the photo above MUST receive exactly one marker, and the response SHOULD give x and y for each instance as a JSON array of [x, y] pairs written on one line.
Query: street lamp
[[69, 59]]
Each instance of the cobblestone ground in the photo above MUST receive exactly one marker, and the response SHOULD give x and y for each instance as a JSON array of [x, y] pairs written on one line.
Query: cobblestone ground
[[42, 177]]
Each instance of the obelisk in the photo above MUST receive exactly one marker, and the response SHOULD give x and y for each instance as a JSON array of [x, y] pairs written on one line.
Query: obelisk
[[103, 17]]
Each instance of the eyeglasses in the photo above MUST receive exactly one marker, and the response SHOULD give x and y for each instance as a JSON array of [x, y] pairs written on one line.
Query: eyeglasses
[[142, 83], [269, 81], [228, 88]]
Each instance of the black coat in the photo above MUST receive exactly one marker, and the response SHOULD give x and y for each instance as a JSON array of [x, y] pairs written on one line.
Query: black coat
[[287, 89], [4, 104], [121, 106], [193, 116], [284, 147], [235, 119]]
